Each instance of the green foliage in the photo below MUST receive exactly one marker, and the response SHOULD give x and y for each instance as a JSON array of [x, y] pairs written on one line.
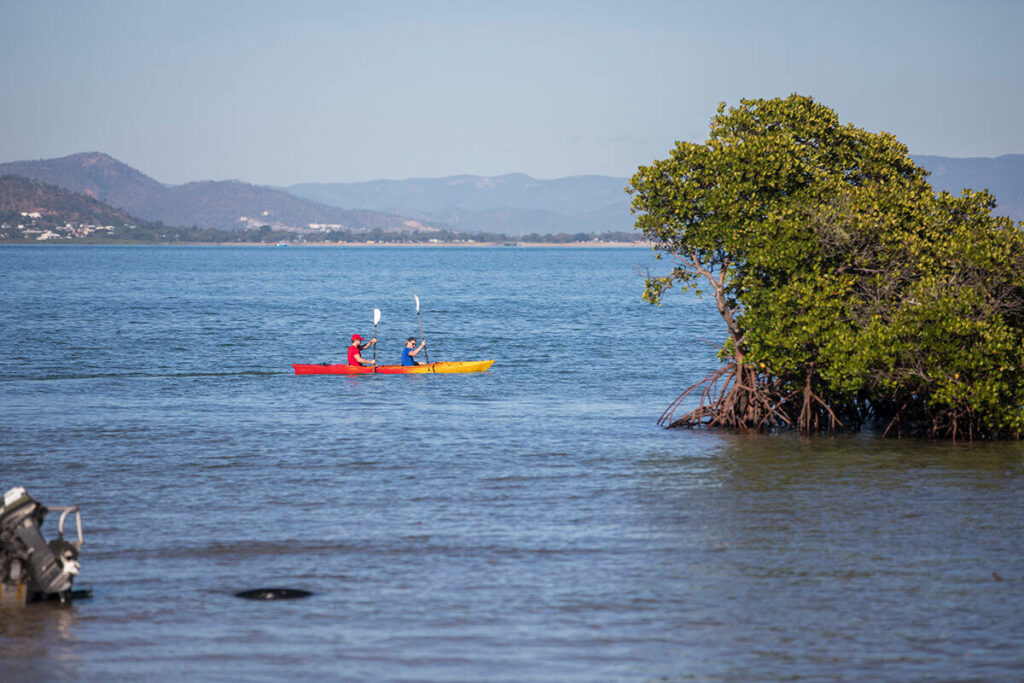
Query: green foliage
[[841, 274]]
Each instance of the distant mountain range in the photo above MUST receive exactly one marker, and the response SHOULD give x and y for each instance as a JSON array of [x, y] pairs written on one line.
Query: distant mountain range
[[1002, 176], [226, 204], [513, 204], [517, 204]]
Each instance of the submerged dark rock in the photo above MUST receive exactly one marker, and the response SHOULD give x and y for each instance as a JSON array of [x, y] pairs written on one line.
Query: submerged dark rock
[[273, 594]]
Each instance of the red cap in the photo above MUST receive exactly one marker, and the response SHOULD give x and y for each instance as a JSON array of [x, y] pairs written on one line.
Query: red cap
[[356, 336]]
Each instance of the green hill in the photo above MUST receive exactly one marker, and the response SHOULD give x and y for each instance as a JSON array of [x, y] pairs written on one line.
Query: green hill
[[54, 205]]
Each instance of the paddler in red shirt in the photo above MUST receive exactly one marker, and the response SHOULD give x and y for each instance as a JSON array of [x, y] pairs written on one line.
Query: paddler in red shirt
[[355, 347]]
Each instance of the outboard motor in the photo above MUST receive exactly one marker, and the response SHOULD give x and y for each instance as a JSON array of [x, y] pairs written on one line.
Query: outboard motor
[[30, 568]]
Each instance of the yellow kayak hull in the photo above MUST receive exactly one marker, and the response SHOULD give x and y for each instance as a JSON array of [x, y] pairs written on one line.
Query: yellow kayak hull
[[448, 367]]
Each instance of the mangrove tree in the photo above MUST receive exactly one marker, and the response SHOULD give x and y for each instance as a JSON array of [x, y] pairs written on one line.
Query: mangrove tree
[[850, 290]]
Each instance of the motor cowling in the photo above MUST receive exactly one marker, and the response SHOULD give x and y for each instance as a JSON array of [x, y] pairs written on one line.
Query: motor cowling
[[25, 556]]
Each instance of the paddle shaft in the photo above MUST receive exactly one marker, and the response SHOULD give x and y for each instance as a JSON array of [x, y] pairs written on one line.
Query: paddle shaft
[[376, 319], [425, 352]]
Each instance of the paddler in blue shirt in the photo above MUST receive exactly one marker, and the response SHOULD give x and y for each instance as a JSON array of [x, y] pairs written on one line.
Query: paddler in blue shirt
[[410, 350]]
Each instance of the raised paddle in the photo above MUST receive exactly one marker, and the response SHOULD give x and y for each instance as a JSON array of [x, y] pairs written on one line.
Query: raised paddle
[[376, 319], [426, 353]]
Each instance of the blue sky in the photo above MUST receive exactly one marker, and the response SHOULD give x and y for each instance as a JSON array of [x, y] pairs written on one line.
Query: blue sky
[[281, 93]]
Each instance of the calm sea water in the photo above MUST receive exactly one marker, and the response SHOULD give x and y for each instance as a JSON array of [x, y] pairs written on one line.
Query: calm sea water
[[531, 522]]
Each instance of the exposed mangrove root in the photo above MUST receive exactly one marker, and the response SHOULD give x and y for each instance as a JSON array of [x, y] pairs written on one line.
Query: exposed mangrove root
[[955, 423], [737, 397]]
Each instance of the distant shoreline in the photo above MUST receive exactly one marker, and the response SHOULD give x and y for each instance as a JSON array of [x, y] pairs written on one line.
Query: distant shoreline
[[361, 245], [592, 245]]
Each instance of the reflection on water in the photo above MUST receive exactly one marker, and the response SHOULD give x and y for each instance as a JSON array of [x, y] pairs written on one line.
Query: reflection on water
[[37, 642], [847, 555]]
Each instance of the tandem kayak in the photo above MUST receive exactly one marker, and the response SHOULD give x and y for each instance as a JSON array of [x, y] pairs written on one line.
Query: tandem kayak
[[441, 367]]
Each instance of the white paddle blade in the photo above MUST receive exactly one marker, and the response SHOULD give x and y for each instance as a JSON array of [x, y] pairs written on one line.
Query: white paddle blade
[[417, 302], [376, 316]]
